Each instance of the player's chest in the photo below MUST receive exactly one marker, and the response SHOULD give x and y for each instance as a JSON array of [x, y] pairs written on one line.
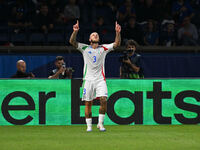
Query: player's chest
[[94, 56]]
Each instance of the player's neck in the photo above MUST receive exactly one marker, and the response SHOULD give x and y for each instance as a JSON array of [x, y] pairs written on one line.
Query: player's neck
[[94, 46]]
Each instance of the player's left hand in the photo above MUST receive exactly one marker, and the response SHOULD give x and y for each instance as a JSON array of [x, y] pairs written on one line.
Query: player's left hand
[[117, 27]]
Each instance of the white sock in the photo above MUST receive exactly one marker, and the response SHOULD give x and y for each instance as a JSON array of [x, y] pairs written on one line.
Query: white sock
[[88, 122], [101, 118]]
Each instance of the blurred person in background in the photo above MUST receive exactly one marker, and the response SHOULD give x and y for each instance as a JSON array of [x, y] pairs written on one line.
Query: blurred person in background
[[125, 11], [21, 71], [103, 9], [55, 9], [132, 31], [99, 26], [99, 23], [168, 36], [151, 36], [182, 9], [61, 71], [131, 62], [187, 34], [44, 20], [71, 11], [19, 17]]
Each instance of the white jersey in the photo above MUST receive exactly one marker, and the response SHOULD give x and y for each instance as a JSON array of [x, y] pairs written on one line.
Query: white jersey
[[94, 60]]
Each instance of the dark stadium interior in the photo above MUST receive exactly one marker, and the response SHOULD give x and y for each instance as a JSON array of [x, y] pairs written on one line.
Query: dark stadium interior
[[21, 21], [160, 26]]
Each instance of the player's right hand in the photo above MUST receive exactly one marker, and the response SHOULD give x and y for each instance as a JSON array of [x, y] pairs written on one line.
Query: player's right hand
[[76, 26]]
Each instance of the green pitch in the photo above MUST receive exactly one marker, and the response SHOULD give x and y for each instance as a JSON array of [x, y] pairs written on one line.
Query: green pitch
[[160, 137]]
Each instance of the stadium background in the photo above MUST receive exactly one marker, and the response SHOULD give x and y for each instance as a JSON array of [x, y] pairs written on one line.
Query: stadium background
[[20, 32], [20, 26]]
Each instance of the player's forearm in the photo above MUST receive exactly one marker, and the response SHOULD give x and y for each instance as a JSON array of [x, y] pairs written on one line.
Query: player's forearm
[[117, 40], [73, 39]]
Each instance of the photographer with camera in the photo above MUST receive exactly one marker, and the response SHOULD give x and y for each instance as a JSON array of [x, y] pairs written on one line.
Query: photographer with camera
[[131, 62], [61, 72]]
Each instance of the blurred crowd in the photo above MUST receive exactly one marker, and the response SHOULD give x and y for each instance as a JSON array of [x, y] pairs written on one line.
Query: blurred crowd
[[149, 22]]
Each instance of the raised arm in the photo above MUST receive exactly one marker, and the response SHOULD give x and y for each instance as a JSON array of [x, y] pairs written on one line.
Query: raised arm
[[118, 35], [74, 34]]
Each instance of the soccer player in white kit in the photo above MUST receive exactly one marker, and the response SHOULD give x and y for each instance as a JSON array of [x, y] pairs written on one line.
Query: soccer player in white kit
[[94, 83]]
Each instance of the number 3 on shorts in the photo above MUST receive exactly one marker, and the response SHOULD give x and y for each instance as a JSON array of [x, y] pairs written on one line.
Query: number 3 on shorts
[[95, 59]]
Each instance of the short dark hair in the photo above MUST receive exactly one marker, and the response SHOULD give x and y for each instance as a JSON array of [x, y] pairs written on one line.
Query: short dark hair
[[131, 42], [58, 58]]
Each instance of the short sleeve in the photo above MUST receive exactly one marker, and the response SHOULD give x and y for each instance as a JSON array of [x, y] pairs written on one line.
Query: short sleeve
[[82, 47], [108, 47]]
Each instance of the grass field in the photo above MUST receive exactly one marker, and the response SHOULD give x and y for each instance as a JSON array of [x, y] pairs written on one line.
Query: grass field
[[162, 137]]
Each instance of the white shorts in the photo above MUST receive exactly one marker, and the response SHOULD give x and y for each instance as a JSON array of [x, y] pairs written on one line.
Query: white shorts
[[94, 89]]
